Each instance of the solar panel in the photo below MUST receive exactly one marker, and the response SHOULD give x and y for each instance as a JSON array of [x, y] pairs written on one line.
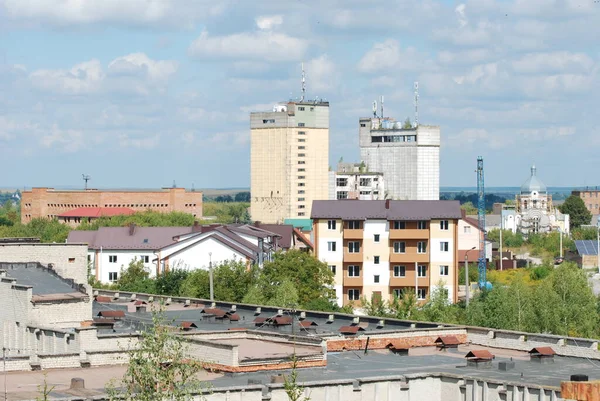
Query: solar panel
[[587, 247]]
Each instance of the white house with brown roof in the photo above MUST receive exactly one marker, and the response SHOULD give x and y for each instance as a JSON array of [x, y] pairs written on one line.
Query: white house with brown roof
[[112, 249]]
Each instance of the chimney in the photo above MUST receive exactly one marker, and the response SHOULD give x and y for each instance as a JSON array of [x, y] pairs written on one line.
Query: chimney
[[196, 227], [387, 204], [131, 228], [257, 224]]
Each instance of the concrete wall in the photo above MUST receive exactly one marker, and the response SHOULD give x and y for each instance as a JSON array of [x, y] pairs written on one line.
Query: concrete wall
[[60, 314], [69, 260]]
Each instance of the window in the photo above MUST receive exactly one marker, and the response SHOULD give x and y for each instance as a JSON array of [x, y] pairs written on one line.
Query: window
[[444, 246], [399, 247], [353, 294], [301, 154], [353, 271], [145, 258], [365, 182], [301, 177], [421, 271], [300, 124], [112, 259], [363, 124], [312, 109], [397, 293], [113, 276], [421, 293], [300, 199], [375, 237], [300, 184], [341, 182], [71, 260], [443, 270], [301, 147], [301, 133], [444, 225], [353, 247], [300, 108], [421, 247], [301, 207], [376, 278], [301, 214], [331, 224], [331, 246], [342, 195], [301, 162], [301, 170], [422, 225], [467, 229], [399, 225], [272, 121], [301, 140], [376, 260], [354, 225], [332, 268], [399, 271], [301, 192]]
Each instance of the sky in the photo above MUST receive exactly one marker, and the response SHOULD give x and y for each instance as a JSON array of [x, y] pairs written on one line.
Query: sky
[[141, 93]]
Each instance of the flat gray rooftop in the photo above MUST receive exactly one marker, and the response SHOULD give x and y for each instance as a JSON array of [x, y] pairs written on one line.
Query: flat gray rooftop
[[43, 280]]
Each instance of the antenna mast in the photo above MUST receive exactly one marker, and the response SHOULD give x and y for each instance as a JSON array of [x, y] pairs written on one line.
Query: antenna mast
[[416, 104], [481, 220], [303, 84], [86, 178], [374, 108], [381, 106]]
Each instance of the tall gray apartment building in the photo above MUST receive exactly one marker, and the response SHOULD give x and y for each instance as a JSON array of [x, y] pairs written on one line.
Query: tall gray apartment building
[[408, 158]]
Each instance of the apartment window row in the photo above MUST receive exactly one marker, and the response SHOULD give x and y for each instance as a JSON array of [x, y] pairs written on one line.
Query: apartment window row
[[354, 225], [400, 247], [401, 225], [269, 121], [421, 292], [77, 205]]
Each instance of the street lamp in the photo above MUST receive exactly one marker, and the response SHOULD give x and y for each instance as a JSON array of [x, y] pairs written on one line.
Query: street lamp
[[468, 284], [210, 276], [560, 231]]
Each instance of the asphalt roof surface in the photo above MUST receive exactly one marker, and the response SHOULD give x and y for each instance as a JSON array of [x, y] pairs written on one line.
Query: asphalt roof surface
[[42, 280]]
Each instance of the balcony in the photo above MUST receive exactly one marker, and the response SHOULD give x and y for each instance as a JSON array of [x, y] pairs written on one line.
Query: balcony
[[353, 282], [409, 233], [353, 233], [353, 257], [408, 258]]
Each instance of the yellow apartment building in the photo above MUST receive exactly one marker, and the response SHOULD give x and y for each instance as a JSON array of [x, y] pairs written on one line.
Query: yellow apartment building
[[289, 160], [377, 249]]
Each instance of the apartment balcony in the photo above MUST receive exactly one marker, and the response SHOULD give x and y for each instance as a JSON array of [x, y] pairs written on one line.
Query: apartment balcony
[[353, 257], [409, 233], [408, 258], [353, 233], [353, 282]]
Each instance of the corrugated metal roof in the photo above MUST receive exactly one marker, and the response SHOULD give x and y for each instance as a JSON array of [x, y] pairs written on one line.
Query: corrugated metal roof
[[398, 209], [149, 238]]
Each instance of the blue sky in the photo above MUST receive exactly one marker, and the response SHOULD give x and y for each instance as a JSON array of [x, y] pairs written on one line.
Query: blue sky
[[138, 93]]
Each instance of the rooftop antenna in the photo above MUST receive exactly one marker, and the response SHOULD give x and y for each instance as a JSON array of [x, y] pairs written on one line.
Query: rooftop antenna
[[303, 84], [374, 108], [416, 104], [381, 106], [193, 188], [174, 184], [86, 178]]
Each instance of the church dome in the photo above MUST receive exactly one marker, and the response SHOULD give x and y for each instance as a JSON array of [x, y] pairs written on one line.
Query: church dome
[[533, 184]]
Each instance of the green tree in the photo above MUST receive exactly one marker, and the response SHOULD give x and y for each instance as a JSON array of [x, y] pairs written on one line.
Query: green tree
[[405, 306], [196, 285], [407, 124], [254, 296], [293, 390], [469, 208], [312, 278], [232, 280], [578, 213], [169, 283], [285, 295], [159, 367], [135, 278]]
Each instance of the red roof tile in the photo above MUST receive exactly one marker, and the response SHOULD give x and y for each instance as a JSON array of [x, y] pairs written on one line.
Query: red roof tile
[[542, 351], [447, 340], [111, 313], [479, 354], [95, 212], [188, 325]]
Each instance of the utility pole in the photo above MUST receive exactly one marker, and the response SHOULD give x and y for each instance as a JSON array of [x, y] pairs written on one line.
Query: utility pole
[[501, 229], [210, 276]]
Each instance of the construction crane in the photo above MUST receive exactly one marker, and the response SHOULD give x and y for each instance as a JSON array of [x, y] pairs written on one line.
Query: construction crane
[[481, 220]]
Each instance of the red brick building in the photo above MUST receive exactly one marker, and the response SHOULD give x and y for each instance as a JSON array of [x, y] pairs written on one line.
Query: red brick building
[[50, 203]]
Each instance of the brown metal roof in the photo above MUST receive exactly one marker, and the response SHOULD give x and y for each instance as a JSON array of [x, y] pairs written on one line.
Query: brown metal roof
[[188, 325], [479, 354], [281, 320], [398, 209], [350, 329], [101, 298], [112, 313], [214, 311], [285, 231], [260, 320], [447, 340], [103, 322], [397, 345], [149, 238], [233, 317], [542, 351], [139, 303], [307, 323]]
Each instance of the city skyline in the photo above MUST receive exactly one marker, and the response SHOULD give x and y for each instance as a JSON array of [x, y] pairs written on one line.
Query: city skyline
[[146, 93]]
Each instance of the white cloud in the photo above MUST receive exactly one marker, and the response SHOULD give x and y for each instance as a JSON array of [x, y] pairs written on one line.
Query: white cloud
[[267, 22], [478, 136], [388, 55], [66, 140], [544, 134], [553, 62], [84, 77], [461, 15], [139, 64], [139, 142], [321, 74], [130, 12], [261, 45]]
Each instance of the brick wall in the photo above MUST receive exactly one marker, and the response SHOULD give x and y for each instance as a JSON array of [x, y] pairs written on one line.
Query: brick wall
[[409, 338], [61, 314], [214, 354], [566, 346], [69, 260]]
